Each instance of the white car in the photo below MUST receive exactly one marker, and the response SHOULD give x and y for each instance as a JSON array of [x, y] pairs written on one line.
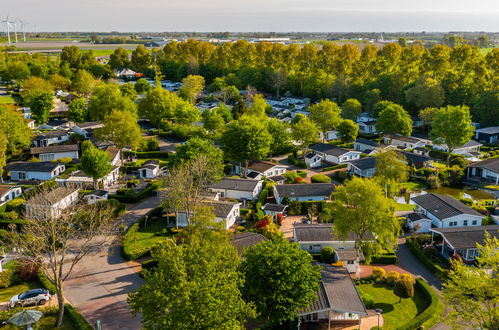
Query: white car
[[30, 297]]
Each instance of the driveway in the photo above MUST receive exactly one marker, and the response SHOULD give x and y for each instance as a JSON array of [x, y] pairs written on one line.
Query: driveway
[[287, 225], [100, 284]]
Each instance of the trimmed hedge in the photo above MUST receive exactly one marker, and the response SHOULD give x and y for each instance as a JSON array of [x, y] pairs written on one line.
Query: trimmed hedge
[[335, 167], [297, 208], [430, 316], [133, 198], [147, 154], [320, 178], [435, 269], [126, 253], [385, 259], [79, 322], [44, 281]]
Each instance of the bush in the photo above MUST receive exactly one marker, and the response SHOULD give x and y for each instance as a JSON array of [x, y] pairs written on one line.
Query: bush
[[327, 254], [17, 205], [44, 281], [407, 277], [297, 162], [5, 278], [301, 174], [79, 322], [262, 198], [392, 277], [149, 144], [378, 273], [149, 264], [384, 259], [430, 265], [26, 271], [403, 289], [367, 299], [320, 178], [340, 176], [124, 196]]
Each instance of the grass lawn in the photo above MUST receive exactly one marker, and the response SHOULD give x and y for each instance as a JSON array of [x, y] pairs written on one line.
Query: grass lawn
[[404, 207], [395, 313], [7, 293], [146, 238], [411, 186], [7, 100], [47, 322]]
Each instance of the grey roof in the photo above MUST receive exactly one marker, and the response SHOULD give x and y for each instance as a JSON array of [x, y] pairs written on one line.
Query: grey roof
[[415, 158], [319, 233], [467, 237], [221, 209], [262, 165], [367, 142], [368, 123], [32, 166], [337, 292], [244, 240], [274, 207], [329, 149], [469, 144], [348, 254], [403, 138], [51, 197], [54, 149], [491, 164], [100, 193], [310, 155], [364, 163], [90, 124], [488, 130], [151, 162], [277, 178], [303, 190], [236, 184], [416, 216], [50, 134], [443, 206]]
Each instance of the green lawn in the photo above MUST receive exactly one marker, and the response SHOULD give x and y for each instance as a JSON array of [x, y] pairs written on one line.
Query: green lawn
[[395, 313], [404, 207], [47, 322], [411, 186], [7, 100], [147, 237], [7, 293]]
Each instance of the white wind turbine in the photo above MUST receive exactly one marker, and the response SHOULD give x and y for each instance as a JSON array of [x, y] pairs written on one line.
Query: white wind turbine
[[23, 25], [15, 28], [7, 23]]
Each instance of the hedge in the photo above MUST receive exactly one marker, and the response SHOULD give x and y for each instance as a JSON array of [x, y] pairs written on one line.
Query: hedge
[[297, 208], [384, 259], [320, 178], [79, 322], [431, 315], [125, 247], [262, 198], [297, 162], [435, 269], [44, 281], [335, 167], [137, 197], [147, 154]]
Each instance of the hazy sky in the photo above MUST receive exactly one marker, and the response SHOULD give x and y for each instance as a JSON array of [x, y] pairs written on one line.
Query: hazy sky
[[255, 15]]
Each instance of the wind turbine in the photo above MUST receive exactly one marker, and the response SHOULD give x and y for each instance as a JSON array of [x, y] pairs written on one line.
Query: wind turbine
[[15, 28], [7, 23], [23, 25]]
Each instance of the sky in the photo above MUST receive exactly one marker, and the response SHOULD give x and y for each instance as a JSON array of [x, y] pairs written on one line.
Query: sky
[[255, 15]]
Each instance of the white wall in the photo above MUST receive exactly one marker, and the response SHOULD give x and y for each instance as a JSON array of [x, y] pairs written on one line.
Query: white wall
[[58, 155], [459, 220], [43, 176], [316, 247]]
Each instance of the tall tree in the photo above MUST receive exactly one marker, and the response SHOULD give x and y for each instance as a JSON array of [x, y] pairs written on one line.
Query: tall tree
[[40, 107], [281, 137], [273, 270], [351, 109], [304, 132], [348, 131], [141, 59], [391, 167], [486, 108], [360, 207], [142, 86], [128, 90], [17, 132], [118, 60], [213, 121], [245, 139], [72, 56], [394, 120], [192, 87], [33, 87], [59, 82], [426, 92], [195, 147], [452, 126], [195, 286], [106, 98], [3, 150], [94, 162], [84, 83], [326, 115], [259, 107], [77, 110], [473, 292]]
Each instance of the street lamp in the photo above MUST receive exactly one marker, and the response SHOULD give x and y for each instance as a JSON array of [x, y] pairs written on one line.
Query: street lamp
[[378, 311]]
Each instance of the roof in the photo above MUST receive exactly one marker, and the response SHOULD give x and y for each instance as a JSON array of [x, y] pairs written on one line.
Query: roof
[[4, 188], [443, 206], [262, 166], [469, 144], [32, 166], [415, 158], [467, 237], [329, 149], [274, 207], [336, 292], [408, 139], [310, 155], [236, 184], [220, 208], [277, 178], [151, 162], [50, 134], [347, 254], [367, 123], [488, 130], [54, 149], [416, 217], [322, 232], [100, 193], [491, 164], [90, 124], [51, 197], [367, 142], [302, 190], [364, 163], [112, 152], [244, 240]]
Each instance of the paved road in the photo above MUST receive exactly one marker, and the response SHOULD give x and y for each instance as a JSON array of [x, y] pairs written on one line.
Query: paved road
[[100, 284]]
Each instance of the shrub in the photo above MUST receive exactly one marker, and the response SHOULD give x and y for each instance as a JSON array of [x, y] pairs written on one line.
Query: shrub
[[335, 167], [301, 174], [262, 198], [320, 178], [407, 277], [338, 263], [385, 259], [26, 271], [5, 278], [240, 229], [79, 322], [149, 144], [367, 299], [290, 176], [378, 273], [44, 281], [17, 204], [327, 254], [299, 180], [149, 264], [432, 267], [132, 183], [392, 277], [433, 182], [403, 289], [262, 224], [340, 176]]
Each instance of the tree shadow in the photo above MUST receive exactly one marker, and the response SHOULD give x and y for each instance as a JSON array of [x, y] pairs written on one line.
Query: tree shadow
[[385, 307]]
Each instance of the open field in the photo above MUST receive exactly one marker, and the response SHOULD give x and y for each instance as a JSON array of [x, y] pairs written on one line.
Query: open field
[[58, 45]]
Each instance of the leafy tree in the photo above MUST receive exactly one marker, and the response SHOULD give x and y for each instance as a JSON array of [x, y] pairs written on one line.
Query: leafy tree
[[159, 104], [371, 98], [281, 137], [129, 91], [192, 87], [15, 129], [473, 292], [327, 255], [84, 83], [427, 115], [391, 167], [77, 110], [394, 120], [18, 71], [360, 207], [72, 56], [228, 94], [193, 148], [259, 107], [105, 99], [402, 42], [3, 150], [273, 272], [224, 111], [118, 60], [348, 131], [40, 107], [59, 82], [94, 162], [213, 121], [33, 87], [326, 115], [120, 128], [486, 108], [351, 109], [142, 86], [195, 286], [245, 139], [141, 59], [304, 132], [426, 92], [403, 289], [452, 126]]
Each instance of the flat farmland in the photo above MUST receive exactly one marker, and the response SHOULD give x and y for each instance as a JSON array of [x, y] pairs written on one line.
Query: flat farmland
[[56, 45]]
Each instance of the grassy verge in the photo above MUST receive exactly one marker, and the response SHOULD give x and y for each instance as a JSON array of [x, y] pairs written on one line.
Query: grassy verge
[[404, 207], [411, 186], [7, 100]]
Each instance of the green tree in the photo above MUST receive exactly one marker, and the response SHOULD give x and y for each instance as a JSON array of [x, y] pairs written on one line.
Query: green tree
[[402, 42], [141, 59], [472, 293], [394, 120], [159, 104], [360, 207], [195, 286], [281, 137], [3, 151], [326, 115], [259, 107], [105, 99], [304, 132], [17, 71], [17, 132], [77, 110], [351, 109], [118, 60], [371, 98], [72, 56], [426, 92], [213, 121], [452, 126], [391, 168], [486, 108], [348, 131], [33, 87], [59, 82], [40, 107], [245, 139], [279, 280], [403, 289], [94, 162], [128, 90], [84, 83], [192, 87], [142, 86]]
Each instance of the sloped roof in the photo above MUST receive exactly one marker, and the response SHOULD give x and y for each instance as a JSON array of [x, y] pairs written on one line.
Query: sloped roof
[[274, 207], [50, 134], [329, 149], [364, 163], [220, 208], [54, 149], [319, 233], [303, 190], [367, 142], [443, 206], [408, 139], [467, 237], [236, 184], [488, 130], [244, 240], [262, 165], [491, 164], [32, 166], [4, 188], [416, 216]]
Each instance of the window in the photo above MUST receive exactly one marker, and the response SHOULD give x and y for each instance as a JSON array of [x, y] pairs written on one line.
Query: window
[[350, 262], [474, 222], [465, 222]]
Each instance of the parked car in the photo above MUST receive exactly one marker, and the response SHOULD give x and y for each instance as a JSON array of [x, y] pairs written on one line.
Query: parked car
[[30, 297]]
